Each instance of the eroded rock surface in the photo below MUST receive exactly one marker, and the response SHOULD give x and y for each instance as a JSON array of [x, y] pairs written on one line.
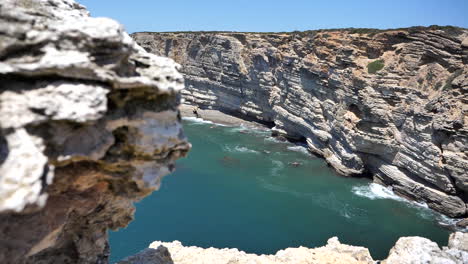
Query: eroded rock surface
[[407, 250], [333, 252], [421, 250], [391, 104], [88, 124]]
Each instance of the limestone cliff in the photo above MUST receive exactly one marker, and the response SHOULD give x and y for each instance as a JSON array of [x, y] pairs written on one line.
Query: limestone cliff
[[88, 124], [390, 104], [407, 250]]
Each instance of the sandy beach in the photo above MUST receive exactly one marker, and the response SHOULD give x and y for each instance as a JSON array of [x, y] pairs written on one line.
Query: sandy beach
[[216, 116]]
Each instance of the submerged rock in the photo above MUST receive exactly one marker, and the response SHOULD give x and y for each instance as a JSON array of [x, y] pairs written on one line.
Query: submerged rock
[[229, 161], [295, 164], [88, 124], [391, 103]]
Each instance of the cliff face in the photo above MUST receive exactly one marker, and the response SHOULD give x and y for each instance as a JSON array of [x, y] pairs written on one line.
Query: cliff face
[[392, 105], [88, 124]]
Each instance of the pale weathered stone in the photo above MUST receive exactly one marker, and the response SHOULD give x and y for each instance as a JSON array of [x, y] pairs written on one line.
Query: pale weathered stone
[[88, 124], [334, 252], [407, 250], [418, 250]]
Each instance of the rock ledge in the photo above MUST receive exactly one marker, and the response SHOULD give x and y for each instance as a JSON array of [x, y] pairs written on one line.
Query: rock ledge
[[414, 250]]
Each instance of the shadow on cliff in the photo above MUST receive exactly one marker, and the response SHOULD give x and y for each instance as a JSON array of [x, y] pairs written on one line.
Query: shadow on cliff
[[4, 150]]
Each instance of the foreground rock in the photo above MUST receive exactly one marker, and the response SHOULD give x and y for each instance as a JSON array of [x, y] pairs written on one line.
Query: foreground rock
[[88, 124], [417, 250], [408, 250], [391, 104], [333, 252]]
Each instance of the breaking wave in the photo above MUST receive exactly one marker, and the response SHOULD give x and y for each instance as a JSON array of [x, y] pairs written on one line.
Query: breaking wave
[[375, 191], [331, 202], [197, 120], [273, 139], [249, 129]]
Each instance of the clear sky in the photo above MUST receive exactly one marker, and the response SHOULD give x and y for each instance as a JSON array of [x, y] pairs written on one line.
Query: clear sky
[[278, 15]]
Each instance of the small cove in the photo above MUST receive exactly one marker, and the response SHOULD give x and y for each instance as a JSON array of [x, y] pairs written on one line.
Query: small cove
[[237, 188]]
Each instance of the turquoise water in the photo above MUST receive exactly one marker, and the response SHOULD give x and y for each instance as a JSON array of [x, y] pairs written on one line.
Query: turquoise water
[[237, 189]]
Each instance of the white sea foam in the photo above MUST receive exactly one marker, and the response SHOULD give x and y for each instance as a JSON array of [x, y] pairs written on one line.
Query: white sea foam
[[273, 139], [254, 130], [244, 149], [280, 188], [444, 220], [301, 149], [197, 120], [331, 202], [261, 131], [277, 167], [239, 128], [240, 149], [375, 191]]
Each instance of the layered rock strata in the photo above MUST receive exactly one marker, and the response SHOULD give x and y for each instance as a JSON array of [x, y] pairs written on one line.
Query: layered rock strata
[[391, 104], [88, 124], [414, 250]]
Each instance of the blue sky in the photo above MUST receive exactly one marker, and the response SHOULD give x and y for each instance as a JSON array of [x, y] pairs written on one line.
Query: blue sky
[[275, 15]]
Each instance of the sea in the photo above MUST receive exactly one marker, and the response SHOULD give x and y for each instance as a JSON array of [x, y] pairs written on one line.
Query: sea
[[241, 188]]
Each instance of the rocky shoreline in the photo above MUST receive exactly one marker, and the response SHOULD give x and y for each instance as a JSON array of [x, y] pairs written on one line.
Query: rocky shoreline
[[219, 117], [390, 104], [414, 250]]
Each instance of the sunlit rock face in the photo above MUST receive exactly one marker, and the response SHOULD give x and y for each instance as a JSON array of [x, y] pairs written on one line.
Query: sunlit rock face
[[422, 250], [391, 104], [88, 124], [414, 250]]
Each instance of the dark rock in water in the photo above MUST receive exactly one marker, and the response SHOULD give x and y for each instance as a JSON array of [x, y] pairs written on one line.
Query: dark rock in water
[[280, 138], [230, 161], [295, 164], [195, 112], [463, 223], [160, 255]]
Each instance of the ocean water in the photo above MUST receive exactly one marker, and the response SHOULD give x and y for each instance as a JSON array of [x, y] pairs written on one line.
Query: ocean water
[[237, 188]]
